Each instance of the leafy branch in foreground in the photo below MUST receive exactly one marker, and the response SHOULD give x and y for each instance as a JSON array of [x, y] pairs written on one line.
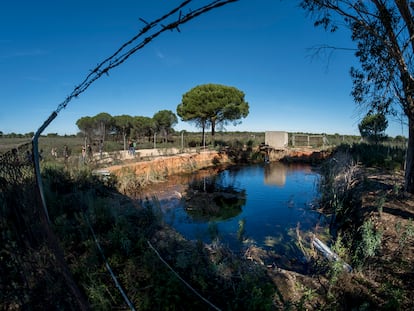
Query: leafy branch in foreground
[[383, 32]]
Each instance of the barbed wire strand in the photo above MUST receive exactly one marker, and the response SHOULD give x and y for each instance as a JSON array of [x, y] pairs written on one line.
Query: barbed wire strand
[[122, 54], [181, 279], [108, 267], [113, 61], [116, 59]]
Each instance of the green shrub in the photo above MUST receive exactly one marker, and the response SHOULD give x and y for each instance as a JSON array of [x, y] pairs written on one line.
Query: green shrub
[[369, 243], [378, 155]]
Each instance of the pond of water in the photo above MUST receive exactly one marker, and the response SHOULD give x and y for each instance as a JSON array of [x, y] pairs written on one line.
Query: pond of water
[[262, 205]]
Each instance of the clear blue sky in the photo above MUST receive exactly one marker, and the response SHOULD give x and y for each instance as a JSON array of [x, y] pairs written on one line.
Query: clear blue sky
[[260, 47]]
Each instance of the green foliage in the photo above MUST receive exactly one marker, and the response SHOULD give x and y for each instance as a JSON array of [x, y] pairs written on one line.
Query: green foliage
[[242, 152], [86, 125], [143, 127], [338, 177], [31, 273], [369, 244], [123, 125], [164, 121], [213, 104], [103, 123], [308, 296], [380, 203], [406, 235], [394, 296], [129, 183], [376, 30], [99, 295], [122, 229], [373, 126], [337, 266], [389, 157], [384, 80]]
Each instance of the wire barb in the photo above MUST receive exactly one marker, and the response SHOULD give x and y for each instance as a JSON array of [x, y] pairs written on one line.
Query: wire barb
[[134, 44], [108, 267], [181, 279]]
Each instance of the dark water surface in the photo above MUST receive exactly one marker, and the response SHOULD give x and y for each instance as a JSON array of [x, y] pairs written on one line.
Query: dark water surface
[[261, 204]]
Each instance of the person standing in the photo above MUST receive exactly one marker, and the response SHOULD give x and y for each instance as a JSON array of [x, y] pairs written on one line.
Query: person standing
[[65, 153], [130, 148], [89, 152], [83, 154], [53, 152]]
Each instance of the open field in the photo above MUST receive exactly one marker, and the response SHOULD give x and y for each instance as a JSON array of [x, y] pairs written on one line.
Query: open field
[[372, 227], [176, 140]]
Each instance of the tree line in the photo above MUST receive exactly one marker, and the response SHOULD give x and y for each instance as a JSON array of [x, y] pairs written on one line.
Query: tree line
[[123, 127], [206, 106]]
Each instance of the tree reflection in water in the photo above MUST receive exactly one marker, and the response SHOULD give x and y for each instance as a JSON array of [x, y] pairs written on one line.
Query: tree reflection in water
[[207, 199], [256, 210]]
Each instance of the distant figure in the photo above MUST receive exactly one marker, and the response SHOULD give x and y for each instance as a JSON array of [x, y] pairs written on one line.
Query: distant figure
[[53, 152], [131, 149], [89, 151], [83, 154], [65, 153]]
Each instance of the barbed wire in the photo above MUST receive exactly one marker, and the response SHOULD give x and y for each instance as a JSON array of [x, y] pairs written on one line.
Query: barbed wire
[[119, 57], [116, 59], [108, 267], [132, 46], [181, 279]]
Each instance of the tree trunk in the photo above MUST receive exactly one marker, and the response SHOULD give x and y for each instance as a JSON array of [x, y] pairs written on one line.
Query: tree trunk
[[213, 131], [203, 139], [409, 161], [103, 130]]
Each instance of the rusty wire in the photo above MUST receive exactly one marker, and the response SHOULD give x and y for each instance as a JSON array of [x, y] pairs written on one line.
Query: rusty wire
[[18, 165], [151, 30]]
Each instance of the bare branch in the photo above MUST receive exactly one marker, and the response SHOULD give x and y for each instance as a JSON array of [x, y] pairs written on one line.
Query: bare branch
[[325, 51]]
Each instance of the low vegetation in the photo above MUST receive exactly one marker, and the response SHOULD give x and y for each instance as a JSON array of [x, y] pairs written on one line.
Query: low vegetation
[[64, 264], [96, 226], [371, 219]]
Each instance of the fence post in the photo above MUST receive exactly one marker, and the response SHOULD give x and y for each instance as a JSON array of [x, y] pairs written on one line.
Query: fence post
[[35, 146]]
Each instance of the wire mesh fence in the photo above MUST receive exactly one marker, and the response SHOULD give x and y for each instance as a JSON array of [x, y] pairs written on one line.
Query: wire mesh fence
[[21, 236], [16, 165], [30, 255], [304, 140], [18, 198]]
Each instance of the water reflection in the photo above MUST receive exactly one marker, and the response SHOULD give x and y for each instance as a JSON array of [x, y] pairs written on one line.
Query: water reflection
[[258, 205], [275, 174], [208, 199], [271, 241]]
